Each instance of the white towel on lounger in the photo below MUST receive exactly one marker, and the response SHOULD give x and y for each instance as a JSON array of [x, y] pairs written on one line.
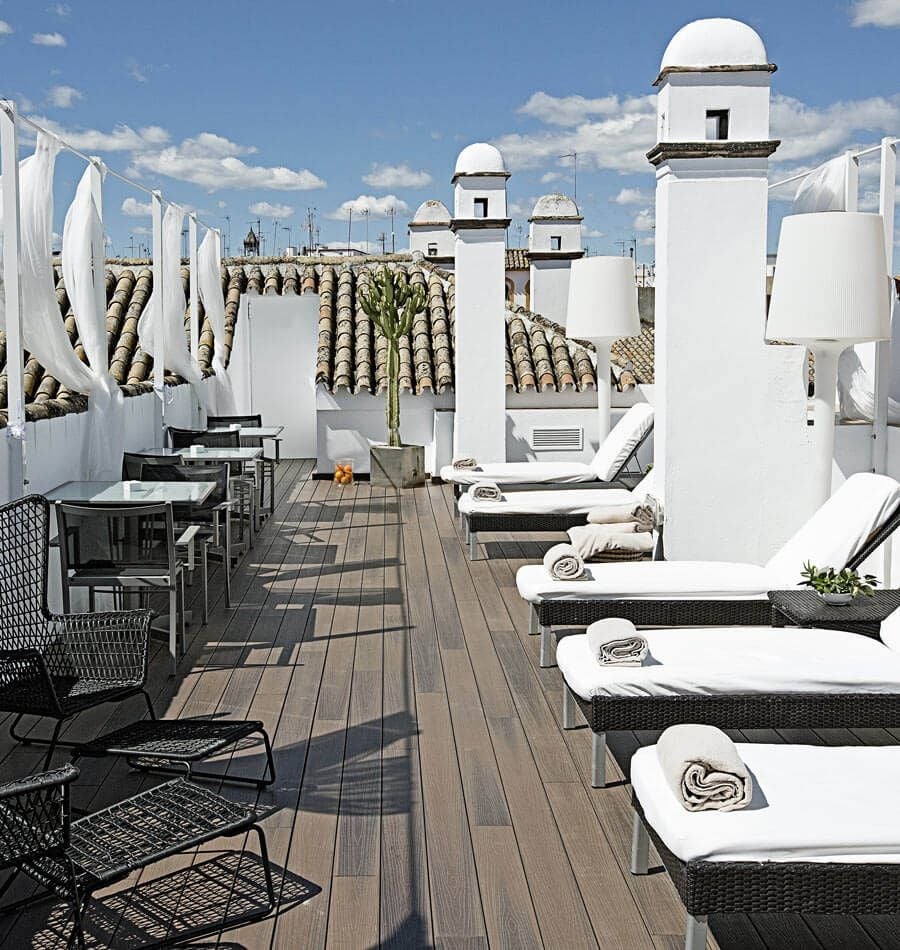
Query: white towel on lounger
[[564, 563], [465, 463], [594, 540], [703, 768], [486, 491], [619, 514], [616, 642]]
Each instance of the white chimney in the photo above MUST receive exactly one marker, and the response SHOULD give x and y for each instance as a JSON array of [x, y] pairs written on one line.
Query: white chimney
[[554, 241]]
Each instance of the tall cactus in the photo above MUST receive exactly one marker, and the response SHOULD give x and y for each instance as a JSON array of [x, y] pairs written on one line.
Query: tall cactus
[[391, 303]]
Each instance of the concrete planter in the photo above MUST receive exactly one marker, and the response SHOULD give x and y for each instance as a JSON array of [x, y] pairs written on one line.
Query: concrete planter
[[402, 467]]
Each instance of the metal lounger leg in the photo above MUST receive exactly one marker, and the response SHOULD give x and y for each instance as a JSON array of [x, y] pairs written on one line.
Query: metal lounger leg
[[473, 545], [546, 647], [640, 846], [204, 565], [534, 624], [598, 760], [173, 624], [695, 934], [569, 707]]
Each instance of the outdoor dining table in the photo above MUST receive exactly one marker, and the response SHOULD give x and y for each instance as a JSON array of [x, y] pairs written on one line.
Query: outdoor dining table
[[131, 493]]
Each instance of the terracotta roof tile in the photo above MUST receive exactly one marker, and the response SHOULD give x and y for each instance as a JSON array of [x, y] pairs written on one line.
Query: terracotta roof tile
[[517, 258]]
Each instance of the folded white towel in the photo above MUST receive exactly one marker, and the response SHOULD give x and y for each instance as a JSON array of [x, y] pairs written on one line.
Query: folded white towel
[[619, 514], [464, 463], [703, 768], [616, 642], [591, 541], [486, 491], [564, 563]]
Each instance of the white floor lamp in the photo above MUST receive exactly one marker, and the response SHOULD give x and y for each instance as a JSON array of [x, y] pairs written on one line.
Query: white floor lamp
[[829, 292], [603, 306]]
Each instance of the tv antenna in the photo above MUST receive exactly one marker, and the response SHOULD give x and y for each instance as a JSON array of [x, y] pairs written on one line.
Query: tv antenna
[[574, 157]]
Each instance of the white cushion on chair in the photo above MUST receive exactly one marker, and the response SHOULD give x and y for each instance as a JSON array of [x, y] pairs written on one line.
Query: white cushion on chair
[[810, 803], [841, 526], [520, 473], [650, 579], [622, 441], [711, 661], [571, 501]]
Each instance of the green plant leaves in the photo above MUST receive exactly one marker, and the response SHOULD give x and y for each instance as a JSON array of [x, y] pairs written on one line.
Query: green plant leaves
[[829, 581]]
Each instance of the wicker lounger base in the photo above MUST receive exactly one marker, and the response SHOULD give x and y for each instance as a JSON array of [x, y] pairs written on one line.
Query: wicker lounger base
[[515, 524], [645, 613], [736, 711], [767, 887]]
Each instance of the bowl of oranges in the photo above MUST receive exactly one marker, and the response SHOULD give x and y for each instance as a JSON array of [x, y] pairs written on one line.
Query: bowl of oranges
[[343, 472]]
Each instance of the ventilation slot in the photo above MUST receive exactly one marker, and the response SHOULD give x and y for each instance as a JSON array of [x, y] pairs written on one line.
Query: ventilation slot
[[556, 438]]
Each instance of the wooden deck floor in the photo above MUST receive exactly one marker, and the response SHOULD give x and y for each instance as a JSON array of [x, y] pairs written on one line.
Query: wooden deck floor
[[426, 795]]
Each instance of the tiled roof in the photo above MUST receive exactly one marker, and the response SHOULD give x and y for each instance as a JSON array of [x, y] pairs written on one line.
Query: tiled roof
[[351, 355], [517, 258]]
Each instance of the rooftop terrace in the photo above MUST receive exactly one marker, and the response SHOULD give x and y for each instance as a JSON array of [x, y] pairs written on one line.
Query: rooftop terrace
[[426, 795]]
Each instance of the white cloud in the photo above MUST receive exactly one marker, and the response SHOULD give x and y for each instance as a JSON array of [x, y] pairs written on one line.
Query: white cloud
[[549, 177], [5, 28], [122, 138], [631, 196], [647, 241], [377, 207], [521, 208], [875, 13], [211, 161], [592, 233], [60, 9], [396, 176], [64, 97], [133, 208], [569, 110], [266, 209], [644, 220], [48, 39], [137, 72]]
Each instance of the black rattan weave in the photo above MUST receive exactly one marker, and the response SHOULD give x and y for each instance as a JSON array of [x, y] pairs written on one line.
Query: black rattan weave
[[52, 665], [498, 521], [655, 613], [864, 615], [780, 887]]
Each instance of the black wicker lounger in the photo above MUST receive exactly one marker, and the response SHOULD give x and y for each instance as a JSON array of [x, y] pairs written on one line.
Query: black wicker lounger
[[74, 859], [661, 612]]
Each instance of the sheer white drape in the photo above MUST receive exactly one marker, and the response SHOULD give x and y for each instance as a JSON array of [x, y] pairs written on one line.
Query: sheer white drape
[[856, 391], [166, 317], [43, 331], [83, 256], [824, 188], [209, 282]]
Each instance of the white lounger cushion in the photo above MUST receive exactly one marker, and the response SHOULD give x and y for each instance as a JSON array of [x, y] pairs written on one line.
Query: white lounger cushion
[[810, 803], [521, 473], [624, 438], [841, 526], [649, 579], [571, 501], [712, 661]]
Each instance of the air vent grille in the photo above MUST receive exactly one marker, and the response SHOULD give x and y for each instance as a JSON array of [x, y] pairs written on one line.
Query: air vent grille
[[557, 438]]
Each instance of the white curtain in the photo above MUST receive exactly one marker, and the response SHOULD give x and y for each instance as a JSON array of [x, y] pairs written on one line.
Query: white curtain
[[83, 250], [824, 188], [856, 391], [209, 282], [43, 331], [166, 317]]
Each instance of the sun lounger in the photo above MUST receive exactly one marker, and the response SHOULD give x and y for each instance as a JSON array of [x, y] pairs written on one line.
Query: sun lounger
[[734, 678], [546, 510], [820, 836], [610, 464], [849, 527]]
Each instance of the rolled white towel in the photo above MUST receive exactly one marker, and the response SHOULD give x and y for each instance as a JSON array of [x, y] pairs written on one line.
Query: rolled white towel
[[616, 642], [564, 563], [622, 514], [703, 768], [486, 491], [464, 463], [594, 540]]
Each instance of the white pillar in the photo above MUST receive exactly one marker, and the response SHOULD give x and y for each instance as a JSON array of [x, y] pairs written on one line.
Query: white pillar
[[159, 350], [886, 207], [194, 304], [12, 243], [603, 391]]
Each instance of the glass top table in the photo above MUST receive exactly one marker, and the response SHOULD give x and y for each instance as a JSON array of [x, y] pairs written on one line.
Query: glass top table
[[249, 432], [131, 493], [205, 453]]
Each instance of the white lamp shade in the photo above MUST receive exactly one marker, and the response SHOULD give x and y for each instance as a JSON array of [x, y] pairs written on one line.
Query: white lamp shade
[[603, 300], [830, 279]]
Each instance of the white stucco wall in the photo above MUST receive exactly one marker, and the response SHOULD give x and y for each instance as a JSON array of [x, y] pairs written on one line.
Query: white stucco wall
[[685, 98], [550, 288], [468, 188], [420, 236]]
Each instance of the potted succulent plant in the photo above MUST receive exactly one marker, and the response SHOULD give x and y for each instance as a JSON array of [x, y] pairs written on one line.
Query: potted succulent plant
[[837, 587], [392, 303]]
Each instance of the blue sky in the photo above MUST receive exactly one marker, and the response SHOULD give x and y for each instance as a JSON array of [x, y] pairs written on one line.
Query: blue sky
[[282, 106]]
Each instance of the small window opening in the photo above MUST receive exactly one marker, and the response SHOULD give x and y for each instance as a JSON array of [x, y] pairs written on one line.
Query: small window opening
[[481, 207], [432, 249], [555, 242], [716, 124]]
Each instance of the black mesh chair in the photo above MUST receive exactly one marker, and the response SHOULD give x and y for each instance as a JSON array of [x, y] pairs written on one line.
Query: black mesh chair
[[253, 421], [212, 517], [57, 666], [123, 550], [133, 464]]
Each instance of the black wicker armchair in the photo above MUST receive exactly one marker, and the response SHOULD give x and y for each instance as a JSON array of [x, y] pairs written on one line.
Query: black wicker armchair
[[57, 666]]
